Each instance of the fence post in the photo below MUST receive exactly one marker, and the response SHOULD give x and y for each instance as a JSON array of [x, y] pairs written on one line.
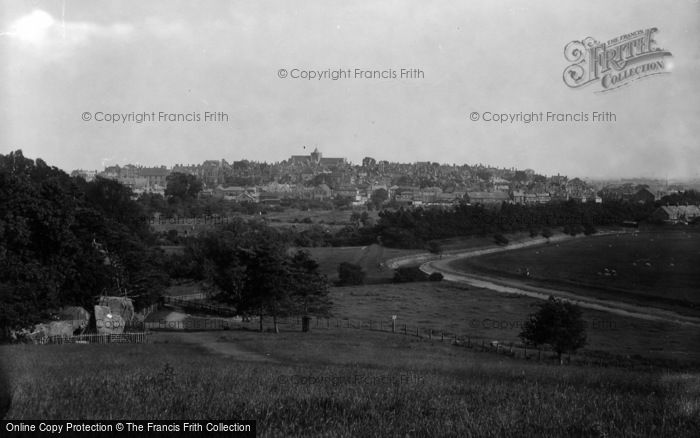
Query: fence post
[[430, 334], [417, 335], [404, 329], [511, 348], [442, 336], [393, 326]]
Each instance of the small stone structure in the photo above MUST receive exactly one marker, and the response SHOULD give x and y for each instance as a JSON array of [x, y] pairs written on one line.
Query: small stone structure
[[77, 316], [112, 314]]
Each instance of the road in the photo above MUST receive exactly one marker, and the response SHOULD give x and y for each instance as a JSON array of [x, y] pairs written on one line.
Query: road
[[521, 288]]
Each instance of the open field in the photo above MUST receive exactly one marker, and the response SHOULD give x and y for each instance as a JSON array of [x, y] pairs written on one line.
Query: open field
[[346, 384], [483, 313], [658, 268], [369, 258]]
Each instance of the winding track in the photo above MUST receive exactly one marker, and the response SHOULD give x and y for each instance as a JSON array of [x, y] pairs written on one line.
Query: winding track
[[430, 264]]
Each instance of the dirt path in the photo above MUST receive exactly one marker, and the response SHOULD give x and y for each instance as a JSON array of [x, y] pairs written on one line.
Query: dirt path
[[211, 342], [520, 288]]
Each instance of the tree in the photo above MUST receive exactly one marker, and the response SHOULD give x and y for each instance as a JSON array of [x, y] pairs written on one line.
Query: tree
[[378, 197], [63, 241], [350, 274], [251, 266], [310, 287], [558, 324], [435, 248], [182, 187]]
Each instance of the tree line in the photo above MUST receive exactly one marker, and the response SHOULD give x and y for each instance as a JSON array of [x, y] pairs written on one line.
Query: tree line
[[64, 241]]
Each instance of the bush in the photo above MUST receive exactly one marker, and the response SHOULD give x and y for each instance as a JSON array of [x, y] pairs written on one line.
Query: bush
[[409, 274], [573, 229], [547, 233], [589, 229], [500, 239], [435, 276], [350, 274]]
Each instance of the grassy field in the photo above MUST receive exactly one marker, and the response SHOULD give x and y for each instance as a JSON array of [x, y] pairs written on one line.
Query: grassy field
[[347, 384], [658, 267], [486, 314], [369, 258]]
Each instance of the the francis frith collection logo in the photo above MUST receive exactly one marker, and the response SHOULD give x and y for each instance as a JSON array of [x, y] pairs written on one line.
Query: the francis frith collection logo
[[614, 63]]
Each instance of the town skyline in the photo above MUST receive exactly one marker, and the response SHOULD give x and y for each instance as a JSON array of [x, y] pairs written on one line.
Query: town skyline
[[231, 160]]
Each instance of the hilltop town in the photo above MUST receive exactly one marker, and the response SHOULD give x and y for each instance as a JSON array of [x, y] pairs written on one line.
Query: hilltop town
[[315, 177]]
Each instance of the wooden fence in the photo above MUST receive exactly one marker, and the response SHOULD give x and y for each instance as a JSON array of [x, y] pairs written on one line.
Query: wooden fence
[[197, 306], [479, 344], [96, 338]]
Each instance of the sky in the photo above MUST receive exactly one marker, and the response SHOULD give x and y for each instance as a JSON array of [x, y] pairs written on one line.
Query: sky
[[66, 61]]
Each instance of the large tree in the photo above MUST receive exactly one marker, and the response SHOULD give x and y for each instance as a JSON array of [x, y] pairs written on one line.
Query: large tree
[[252, 267], [182, 187], [558, 324]]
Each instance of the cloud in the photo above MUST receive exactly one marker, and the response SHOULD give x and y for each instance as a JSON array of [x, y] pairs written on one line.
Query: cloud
[[42, 31]]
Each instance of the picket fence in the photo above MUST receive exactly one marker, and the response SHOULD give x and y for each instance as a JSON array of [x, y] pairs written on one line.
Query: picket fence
[[96, 338]]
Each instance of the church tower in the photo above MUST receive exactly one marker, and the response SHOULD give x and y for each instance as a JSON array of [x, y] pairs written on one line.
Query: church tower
[[315, 156]]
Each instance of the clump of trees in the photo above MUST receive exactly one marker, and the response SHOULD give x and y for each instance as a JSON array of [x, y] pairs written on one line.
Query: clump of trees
[[412, 228], [556, 323], [253, 269], [65, 241]]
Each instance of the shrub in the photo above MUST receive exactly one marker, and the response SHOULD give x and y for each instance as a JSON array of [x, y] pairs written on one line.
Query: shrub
[[435, 276], [350, 274], [500, 239], [409, 274]]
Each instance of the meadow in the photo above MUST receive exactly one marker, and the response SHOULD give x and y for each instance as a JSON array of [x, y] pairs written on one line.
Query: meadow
[[347, 383], [482, 313], [371, 258], [656, 267]]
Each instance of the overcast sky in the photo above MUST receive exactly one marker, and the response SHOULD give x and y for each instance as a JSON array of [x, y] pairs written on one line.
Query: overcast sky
[[60, 59]]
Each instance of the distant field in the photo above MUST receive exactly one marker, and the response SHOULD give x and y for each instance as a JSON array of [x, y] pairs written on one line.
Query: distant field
[[652, 266], [491, 315], [368, 257], [343, 384]]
